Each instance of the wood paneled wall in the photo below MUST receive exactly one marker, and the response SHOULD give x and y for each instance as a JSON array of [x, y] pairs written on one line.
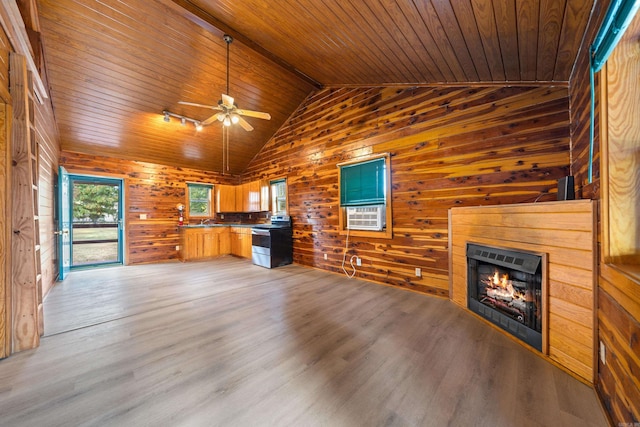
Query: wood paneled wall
[[564, 231], [150, 189], [618, 381], [449, 146], [49, 150]]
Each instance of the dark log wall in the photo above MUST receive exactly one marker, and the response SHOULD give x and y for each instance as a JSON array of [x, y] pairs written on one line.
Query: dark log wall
[[618, 383], [450, 146], [150, 189]]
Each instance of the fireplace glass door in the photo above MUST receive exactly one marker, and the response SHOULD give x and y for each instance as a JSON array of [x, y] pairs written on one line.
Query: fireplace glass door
[[505, 287]]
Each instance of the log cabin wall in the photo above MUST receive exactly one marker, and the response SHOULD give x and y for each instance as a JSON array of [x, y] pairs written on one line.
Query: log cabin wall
[[618, 320], [150, 189], [450, 146]]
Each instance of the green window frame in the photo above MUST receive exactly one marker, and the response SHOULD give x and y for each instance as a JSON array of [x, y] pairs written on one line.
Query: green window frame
[[365, 194], [199, 197], [363, 183]]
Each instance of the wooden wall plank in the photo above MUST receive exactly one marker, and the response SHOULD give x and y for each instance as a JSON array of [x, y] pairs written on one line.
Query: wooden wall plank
[[570, 281], [449, 146], [5, 230]]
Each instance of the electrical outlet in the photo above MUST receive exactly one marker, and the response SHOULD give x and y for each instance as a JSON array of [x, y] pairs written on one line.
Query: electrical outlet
[[177, 247], [358, 261], [143, 216], [603, 353], [418, 272], [325, 257], [222, 216]]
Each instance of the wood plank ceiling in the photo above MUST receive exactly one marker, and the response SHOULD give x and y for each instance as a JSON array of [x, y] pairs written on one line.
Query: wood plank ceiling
[[113, 66]]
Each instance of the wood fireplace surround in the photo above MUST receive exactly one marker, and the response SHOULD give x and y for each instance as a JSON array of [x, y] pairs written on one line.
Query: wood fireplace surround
[[565, 232]]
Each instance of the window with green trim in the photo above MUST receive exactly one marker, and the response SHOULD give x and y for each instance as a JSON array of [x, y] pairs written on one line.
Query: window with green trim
[[364, 193], [199, 199]]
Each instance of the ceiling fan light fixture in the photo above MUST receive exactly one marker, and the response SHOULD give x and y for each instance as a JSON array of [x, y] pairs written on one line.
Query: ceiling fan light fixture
[[235, 118], [221, 116], [226, 121]]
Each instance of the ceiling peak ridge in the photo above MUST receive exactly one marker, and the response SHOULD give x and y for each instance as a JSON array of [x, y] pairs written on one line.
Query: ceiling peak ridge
[[206, 20]]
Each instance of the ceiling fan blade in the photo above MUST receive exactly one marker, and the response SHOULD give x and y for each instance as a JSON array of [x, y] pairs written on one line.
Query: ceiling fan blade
[[213, 107], [256, 114], [245, 125], [210, 120], [227, 101]]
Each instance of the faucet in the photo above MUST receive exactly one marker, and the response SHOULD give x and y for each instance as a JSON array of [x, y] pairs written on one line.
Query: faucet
[[204, 221]]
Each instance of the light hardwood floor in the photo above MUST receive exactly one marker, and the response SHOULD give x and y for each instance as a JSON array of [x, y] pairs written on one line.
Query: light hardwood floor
[[226, 343]]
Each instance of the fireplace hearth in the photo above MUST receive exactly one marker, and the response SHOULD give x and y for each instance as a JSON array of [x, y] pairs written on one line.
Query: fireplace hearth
[[505, 287]]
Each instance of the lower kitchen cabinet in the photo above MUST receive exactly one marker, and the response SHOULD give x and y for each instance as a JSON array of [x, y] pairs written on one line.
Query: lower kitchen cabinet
[[207, 242], [240, 241], [202, 243]]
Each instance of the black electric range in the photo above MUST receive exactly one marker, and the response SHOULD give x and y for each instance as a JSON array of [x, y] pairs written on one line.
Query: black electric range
[[272, 243]]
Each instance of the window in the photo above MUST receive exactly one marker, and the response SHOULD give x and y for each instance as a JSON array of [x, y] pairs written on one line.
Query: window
[[279, 196], [364, 192], [620, 145], [199, 199]]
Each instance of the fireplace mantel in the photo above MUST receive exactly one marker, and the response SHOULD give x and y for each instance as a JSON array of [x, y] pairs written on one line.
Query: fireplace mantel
[[563, 230]]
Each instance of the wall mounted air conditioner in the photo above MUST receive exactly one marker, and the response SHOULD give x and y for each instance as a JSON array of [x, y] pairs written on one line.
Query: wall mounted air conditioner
[[366, 218]]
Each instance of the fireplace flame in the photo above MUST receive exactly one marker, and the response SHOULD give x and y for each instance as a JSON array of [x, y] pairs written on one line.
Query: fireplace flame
[[500, 287]]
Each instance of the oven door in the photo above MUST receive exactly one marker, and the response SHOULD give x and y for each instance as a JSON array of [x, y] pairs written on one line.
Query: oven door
[[261, 247], [260, 238]]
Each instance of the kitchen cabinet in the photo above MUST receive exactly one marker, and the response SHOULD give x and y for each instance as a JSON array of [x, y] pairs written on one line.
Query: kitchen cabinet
[[252, 196], [224, 241], [265, 189], [246, 198], [240, 238], [239, 204], [204, 242], [225, 198]]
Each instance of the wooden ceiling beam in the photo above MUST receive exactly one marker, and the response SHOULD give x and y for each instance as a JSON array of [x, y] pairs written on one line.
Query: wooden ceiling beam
[[210, 22]]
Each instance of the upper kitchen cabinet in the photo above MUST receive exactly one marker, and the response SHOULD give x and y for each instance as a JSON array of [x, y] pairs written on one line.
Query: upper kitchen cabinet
[[225, 198], [241, 198]]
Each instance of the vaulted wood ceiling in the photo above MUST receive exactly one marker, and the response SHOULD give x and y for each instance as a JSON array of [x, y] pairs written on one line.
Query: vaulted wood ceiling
[[114, 66]]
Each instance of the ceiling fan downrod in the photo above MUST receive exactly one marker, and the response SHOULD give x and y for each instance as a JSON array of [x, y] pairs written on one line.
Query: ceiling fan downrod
[[228, 39]]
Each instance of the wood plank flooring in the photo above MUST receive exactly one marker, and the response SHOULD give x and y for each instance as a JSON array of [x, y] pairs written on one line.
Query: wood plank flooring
[[226, 343]]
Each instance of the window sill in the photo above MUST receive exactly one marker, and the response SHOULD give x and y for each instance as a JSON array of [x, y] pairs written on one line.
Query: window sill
[[631, 271], [385, 234]]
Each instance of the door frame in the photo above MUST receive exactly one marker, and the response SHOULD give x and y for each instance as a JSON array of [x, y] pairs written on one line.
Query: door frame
[[75, 177], [124, 253]]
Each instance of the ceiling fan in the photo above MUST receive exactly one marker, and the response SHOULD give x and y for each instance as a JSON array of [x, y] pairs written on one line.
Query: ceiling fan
[[228, 112]]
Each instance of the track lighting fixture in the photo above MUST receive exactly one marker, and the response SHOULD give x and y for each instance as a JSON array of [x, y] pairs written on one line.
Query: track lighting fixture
[[183, 119]]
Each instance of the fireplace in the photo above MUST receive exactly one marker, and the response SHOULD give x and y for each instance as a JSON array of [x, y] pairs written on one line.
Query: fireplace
[[505, 287]]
